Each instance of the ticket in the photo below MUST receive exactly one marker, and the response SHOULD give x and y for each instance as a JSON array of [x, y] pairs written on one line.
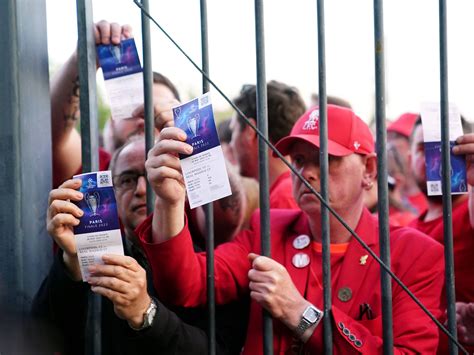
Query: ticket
[[204, 171], [123, 77], [431, 120], [98, 232]]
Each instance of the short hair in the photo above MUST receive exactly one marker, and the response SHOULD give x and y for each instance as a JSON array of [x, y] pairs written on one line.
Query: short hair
[[163, 80], [224, 132], [285, 106], [332, 100]]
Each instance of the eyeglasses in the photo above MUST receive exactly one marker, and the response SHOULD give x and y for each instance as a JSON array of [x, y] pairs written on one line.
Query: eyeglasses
[[128, 180]]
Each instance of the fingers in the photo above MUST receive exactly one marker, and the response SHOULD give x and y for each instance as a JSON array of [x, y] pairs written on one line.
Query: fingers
[[118, 266], [127, 31], [121, 260], [115, 33], [61, 220], [60, 206], [464, 144], [163, 113], [263, 263], [111, 33], [103, 32], [171, 141]]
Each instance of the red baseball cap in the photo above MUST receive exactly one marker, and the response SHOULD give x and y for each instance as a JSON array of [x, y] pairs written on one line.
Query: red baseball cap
[[404, 124], [347, 133]]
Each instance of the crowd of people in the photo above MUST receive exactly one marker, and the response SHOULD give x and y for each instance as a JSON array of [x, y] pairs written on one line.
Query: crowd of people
[[154, 297]]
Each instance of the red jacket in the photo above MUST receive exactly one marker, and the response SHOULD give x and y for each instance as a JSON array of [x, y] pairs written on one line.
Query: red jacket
[[180, 277]]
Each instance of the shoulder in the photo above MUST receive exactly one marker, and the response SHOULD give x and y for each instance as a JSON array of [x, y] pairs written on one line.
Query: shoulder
[[410, 244]]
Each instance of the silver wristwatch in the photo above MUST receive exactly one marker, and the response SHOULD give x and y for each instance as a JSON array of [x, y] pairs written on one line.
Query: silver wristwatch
[[148, 316], [311, 316]]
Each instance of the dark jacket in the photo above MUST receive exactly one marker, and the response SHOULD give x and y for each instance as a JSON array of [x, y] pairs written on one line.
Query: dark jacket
[[63, 302]]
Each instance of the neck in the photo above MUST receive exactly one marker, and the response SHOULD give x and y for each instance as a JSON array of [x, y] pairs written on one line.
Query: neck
[[435, 206], [275, 168], [337, 232]]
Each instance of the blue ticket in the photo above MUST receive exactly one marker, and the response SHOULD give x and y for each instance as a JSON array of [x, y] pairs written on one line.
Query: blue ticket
[[98, 232], [123, 77], [119, 60], [204, 171], [431, 119]]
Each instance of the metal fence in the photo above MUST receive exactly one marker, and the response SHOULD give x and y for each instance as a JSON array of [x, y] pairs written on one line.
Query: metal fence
[[87, 67], [89, 132]]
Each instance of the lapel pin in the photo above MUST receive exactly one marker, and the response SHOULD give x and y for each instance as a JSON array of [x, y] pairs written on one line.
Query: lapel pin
[[300, 260], [363, 259], [344, 294], [301, 241]]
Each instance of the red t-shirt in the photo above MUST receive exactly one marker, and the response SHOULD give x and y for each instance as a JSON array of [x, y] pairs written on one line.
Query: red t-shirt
[[281, 195], [419, 202], [463, 243]]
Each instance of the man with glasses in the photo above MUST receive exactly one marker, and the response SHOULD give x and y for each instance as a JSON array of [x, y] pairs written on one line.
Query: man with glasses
[[134, 321]]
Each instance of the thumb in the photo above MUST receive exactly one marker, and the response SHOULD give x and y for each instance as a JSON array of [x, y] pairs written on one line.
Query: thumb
[[252, 257]]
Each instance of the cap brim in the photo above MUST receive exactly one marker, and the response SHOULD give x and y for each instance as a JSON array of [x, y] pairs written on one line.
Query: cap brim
[[284, 145]]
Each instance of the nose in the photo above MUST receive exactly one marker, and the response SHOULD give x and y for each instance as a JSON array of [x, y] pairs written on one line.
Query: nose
[[141, 186], [140, 124], [311, 172]]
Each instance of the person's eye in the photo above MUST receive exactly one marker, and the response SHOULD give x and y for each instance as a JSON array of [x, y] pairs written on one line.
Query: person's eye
[[127, 180], [297, 161]]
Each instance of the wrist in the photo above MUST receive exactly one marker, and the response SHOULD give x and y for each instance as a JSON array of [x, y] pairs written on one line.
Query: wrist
[[168, 220], [145, 317], [71, 263], [309, 320]]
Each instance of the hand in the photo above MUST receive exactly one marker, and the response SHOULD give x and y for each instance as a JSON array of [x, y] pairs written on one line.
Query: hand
[[111, 33], [465, 145], [162, 112], [62, 216], [164, 168], [271, 287], [465, 322], [123, 281]]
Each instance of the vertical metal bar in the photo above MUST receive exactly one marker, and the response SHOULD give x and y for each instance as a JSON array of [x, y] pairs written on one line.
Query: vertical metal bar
[[208, 209], [446, 178], [148, 95], [324, 167], [381, 136], [262, 124], [90, 141]]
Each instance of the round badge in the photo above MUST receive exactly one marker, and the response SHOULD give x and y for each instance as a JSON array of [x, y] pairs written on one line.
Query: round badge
[[301, 241], [300, 260], [344, 294]]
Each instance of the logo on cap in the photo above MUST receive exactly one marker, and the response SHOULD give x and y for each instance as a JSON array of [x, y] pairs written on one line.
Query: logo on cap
[[312, 122], [356, 145]]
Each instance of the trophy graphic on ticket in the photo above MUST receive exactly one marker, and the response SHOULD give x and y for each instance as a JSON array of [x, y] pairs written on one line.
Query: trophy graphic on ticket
[[93, 202], [193, 125]]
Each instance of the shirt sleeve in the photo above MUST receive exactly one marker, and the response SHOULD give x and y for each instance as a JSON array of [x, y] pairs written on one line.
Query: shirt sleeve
[[179, 274]]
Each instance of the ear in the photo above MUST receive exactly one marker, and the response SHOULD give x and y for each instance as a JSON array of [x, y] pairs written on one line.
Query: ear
[[250, 134], [370, 170]]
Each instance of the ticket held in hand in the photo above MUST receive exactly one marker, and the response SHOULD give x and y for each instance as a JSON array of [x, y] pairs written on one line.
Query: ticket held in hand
[[204, 171], [98, 232]]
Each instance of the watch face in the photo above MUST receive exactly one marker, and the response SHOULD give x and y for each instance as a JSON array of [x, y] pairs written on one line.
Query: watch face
[[311, 315]]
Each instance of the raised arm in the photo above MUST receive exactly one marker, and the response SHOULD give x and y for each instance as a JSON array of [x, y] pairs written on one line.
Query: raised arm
[[65, 105]]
